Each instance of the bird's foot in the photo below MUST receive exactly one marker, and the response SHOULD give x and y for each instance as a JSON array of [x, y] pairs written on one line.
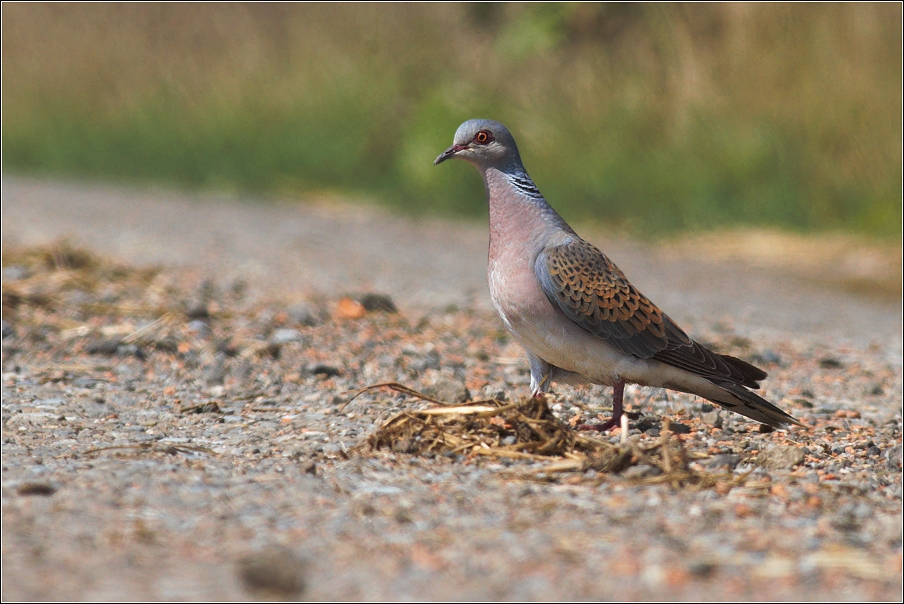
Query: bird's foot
[[615, 422]]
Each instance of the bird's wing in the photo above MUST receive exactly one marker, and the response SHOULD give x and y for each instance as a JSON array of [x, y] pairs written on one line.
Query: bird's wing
[[595, 294]]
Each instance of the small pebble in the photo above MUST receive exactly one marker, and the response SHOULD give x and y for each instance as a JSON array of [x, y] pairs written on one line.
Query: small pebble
[[15, 273], [780, 457], [495, 392], [199, 327], [284, 336], [725, 460], [713, 418], [641, 471], [447, 389], [84, 382]]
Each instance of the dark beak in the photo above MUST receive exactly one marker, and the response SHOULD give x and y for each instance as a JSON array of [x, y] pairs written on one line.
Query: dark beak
[[449, 153]]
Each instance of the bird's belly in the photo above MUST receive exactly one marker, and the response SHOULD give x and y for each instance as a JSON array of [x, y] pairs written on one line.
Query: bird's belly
[[543, 330]]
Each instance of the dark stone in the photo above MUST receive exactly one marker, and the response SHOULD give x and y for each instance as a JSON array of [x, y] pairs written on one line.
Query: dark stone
[[702, 568], [766, 429], [323, 369], [239, 288], [103, 346], [377, 302], [830, 363], [197, 309], [166, 344], [274, 569], [8, 330], [677, 428], [44, 489], [647, 423]]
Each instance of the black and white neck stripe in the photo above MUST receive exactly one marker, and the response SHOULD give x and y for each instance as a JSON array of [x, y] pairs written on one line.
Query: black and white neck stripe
[[523, 183]]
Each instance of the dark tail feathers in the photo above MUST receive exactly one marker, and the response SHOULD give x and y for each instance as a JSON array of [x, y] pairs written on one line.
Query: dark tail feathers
[[753, 406]]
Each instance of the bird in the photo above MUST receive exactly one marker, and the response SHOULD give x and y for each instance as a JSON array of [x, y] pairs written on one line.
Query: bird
[[574, 311]]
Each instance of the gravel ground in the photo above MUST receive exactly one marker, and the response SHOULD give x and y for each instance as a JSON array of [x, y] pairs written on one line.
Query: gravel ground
[[175, 424]]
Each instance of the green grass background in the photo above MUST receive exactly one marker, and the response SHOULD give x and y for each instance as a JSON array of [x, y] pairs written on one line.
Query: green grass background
[[653, 118]]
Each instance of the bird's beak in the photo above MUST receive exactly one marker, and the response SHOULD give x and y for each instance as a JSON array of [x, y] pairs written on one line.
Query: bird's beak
[[449, 153]]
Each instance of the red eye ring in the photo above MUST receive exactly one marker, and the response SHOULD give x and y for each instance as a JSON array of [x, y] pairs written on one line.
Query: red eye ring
[[484, 137]]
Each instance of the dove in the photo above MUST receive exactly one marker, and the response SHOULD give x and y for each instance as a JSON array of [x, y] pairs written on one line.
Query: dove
[[574, 311]]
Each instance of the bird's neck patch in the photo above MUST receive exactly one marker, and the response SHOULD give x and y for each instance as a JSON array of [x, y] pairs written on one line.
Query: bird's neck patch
[[524, 185]]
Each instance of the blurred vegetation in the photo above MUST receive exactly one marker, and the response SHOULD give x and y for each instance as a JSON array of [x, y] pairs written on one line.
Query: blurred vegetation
[[642, 116]]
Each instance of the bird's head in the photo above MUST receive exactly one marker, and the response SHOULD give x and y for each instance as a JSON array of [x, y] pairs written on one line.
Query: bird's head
[[485, 144]]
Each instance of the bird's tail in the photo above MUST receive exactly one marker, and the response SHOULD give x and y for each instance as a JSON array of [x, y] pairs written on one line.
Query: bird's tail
[[751, 375], [741, 400]]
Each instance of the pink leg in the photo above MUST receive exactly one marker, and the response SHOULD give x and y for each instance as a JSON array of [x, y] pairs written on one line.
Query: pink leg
[[618, 393]]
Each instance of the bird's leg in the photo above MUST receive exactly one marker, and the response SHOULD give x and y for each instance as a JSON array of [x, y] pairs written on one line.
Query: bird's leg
[[540, 375], [541, 388], [618, 393]]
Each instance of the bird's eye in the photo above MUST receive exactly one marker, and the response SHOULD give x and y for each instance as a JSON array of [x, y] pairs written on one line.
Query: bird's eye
[[483, 137]]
